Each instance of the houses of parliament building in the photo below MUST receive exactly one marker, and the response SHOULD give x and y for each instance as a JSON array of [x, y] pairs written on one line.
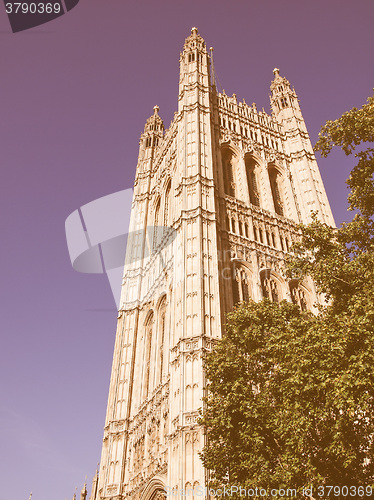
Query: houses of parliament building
[[217, 199]]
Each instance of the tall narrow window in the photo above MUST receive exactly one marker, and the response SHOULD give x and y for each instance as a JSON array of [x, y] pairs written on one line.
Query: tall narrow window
[[267, 237], [162, 320], [148, 352], [167, 204], [276, 190], [298, 295], [241, 285], [270, 288], [252, 173], [284, 102], [228, 172], [156, 224]]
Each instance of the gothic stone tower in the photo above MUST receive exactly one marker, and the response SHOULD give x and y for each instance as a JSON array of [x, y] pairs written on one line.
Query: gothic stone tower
[[216, 200]]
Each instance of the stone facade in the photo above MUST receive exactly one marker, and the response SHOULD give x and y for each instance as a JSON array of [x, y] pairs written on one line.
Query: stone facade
[[217, 197]]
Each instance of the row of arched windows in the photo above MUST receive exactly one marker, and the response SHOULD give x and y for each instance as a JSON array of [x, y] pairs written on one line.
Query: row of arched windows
[[230, 162], [252, 134], [151, 141], [273, 287], [263, 235]]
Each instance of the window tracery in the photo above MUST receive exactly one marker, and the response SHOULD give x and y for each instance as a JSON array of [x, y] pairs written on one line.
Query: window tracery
[[241, 285], [148, 352], [252, 181], [167, 203], [162, 321], [298, 295], [276, 190], [228, 172], [270, 288], [156, 223]]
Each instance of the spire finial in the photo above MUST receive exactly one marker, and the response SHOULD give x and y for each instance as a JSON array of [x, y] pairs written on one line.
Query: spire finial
[[194, 31], [84, 490], [156, 109], [276, 72], [213, 70]]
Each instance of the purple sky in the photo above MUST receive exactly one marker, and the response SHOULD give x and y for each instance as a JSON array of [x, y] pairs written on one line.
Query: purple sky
[[75, 94]]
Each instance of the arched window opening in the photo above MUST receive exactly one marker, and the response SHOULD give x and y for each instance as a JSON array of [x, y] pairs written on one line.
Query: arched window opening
[[273, 240], [167, 203], [268, 237], [299, 295], [241, 285], [270, 288], [159, 494], [156, 223], [228, 159], [228, 226], [148, 352], [276, 190], [162, 321], [252, 181], [284, 102], [255, 233]]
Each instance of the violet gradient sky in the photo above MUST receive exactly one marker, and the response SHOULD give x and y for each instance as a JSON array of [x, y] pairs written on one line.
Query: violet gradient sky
[[75, 94]]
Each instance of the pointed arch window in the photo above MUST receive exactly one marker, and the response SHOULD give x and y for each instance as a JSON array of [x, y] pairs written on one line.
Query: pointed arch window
[[284, 102], [252, 181], [276, 184], [299, 295], [162, 322], [273, 240], [156, 223], [270, 288], [148, 353], [241, 284], [167, 204], [228, 172]]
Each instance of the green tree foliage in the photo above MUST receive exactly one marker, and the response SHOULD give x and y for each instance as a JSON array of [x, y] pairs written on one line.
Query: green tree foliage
[[291, 395]]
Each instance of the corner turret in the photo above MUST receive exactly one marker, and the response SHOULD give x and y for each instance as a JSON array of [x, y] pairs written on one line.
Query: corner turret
[[303, 169], [283, 99], [194, 70], [151, 137]]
